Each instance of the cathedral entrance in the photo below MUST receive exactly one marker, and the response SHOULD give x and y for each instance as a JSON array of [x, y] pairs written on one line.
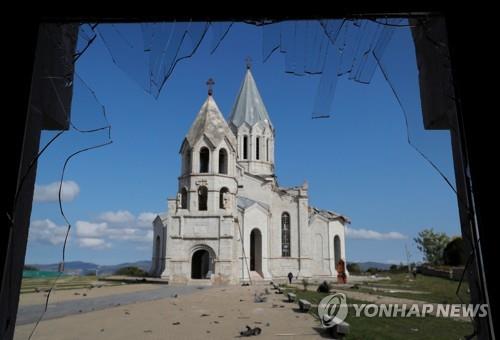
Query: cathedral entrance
[[256, 251], [201, 265]]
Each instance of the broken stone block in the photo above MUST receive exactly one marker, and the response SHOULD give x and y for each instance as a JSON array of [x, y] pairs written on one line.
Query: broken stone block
[[304, 305], [340, 330]]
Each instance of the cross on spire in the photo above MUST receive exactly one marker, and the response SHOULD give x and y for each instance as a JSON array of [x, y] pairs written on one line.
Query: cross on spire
[[210, 84], [248, 61]]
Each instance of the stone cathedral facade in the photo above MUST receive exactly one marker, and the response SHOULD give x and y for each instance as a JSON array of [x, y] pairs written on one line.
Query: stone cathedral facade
[[230, 221]]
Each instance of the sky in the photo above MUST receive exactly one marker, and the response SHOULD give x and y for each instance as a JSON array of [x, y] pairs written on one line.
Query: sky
[[357, 162]]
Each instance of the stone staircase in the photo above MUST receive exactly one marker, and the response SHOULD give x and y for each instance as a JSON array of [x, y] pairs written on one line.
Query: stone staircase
[[199, 282]]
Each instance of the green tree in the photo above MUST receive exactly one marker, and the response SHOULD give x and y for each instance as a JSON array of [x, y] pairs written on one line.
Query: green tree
[[353, 268], [131, 271], [432, 244]]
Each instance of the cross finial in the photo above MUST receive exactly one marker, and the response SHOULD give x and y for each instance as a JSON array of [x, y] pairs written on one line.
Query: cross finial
[[248, 60], [210, 84]]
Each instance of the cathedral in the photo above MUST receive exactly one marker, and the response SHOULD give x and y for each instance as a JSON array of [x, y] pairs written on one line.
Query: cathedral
[[230, 221]]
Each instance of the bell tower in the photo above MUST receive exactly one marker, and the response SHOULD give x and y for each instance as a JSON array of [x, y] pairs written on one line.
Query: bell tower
[[252, 126], [207, 183]]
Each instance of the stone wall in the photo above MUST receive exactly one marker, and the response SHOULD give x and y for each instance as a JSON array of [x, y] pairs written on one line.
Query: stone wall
[[452, 273]]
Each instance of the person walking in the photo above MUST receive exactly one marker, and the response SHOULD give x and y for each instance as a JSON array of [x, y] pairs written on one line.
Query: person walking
[[290, 277]]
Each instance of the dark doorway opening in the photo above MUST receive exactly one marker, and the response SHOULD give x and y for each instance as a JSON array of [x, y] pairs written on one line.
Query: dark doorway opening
[[256, 251], [200, 264]]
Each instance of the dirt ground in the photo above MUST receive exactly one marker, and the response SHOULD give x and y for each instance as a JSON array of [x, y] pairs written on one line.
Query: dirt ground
[[215, 313], [76, 294]]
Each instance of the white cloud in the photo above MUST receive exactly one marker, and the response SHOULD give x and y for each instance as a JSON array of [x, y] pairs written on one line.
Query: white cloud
[[112, 226], [94, 243], [145, 219], [131, 234], [373, 235], [50, 192], [46, 231], [120, 216], [89, 229]]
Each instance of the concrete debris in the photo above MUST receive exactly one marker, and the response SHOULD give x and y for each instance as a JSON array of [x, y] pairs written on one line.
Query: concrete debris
[[251, 331], [258, 298]]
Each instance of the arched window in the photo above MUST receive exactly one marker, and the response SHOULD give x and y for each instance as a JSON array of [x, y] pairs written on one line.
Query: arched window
[[245, 147], [267, 149], [285, 234], [222, 204], [336, 249], [184, 198], [157, 247], [257, 148], [204, 159], [202, 198], [223, 161], [186, 162]]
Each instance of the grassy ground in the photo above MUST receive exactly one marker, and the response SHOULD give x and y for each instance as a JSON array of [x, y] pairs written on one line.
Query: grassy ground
[[365, 328], [30, 285], [438, 290]]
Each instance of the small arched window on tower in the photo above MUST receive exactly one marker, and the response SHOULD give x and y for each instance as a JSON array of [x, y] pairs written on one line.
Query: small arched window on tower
[[184, 198], [285, 234], [222, 203], [267, 149], [204, 159], [223, 161], [202, 198], [186, 162], [245, 147], [257, 148]]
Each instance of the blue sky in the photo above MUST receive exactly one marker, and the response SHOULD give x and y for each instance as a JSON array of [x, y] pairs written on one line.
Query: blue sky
[[357, 162]]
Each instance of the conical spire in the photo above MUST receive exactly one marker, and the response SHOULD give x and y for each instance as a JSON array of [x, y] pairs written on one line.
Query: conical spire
[[211, 123], [249, 107]]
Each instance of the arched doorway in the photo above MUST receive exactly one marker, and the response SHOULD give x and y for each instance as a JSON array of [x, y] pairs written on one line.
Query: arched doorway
[[202, 264], [256, 251]]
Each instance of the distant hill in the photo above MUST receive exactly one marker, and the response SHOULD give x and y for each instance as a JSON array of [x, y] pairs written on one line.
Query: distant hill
[[381, 266], [80, 268]]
